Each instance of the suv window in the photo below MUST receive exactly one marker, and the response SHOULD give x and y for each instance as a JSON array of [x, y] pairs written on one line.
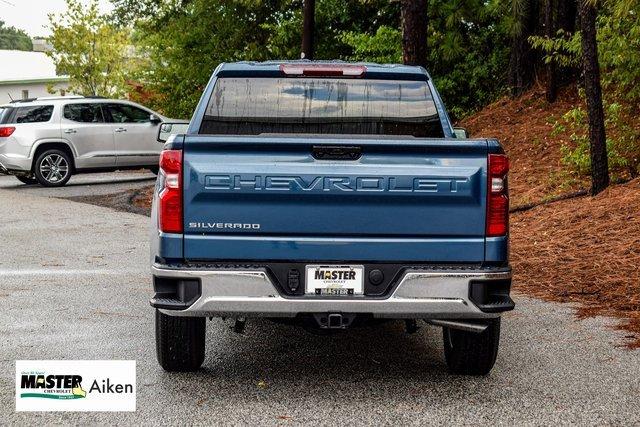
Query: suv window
[[321, 105], [84, 113], [33, 114], [122, 113], [5, 112]]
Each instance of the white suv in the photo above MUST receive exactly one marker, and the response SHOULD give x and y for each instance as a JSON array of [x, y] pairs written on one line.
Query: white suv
[[46, 140]]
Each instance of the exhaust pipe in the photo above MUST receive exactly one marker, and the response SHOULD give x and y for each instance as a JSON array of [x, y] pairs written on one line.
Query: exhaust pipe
[[459, 324]]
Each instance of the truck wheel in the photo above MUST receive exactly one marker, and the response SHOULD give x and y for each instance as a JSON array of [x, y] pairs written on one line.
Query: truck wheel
[[180, 342], [52, 168], [471, 353], [27, 180]]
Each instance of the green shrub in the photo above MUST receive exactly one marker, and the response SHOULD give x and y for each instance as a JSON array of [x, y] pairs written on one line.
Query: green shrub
[[623, 141]]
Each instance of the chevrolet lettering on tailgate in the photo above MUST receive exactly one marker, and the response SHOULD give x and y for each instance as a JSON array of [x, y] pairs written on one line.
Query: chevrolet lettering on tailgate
[[335, 183]]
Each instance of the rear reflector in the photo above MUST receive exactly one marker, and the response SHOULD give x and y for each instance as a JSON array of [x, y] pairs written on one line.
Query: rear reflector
[[170, 197], [6, 131], [497, 196], [323, 70]]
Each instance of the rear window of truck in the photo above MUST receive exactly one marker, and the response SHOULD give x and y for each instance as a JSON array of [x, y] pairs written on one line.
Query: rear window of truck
[[252, 106]]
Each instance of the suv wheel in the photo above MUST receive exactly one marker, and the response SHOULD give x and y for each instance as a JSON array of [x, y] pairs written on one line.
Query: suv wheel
[[53, 168], [27, 179], [180, 342], [471, 353]]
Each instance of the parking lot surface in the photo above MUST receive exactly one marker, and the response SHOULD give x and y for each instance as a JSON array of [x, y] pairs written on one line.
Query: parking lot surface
[[92, 184], [74, 284]]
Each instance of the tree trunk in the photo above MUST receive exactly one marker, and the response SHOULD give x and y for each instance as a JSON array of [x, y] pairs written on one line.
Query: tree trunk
[[566, 20], [593, 92], [567, 16], [414, 32], [522, 61], [308, 25], [550, 31]]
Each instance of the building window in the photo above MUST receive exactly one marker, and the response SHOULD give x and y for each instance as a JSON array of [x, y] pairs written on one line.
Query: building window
[[25, 94]]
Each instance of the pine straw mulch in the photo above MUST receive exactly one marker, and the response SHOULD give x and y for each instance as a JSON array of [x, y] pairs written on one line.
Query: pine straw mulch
[[142, 199], [584, 250], [125, 201], [523, 126]]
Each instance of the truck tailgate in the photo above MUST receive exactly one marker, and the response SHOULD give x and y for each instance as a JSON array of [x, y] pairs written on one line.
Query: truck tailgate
[[284, 198]]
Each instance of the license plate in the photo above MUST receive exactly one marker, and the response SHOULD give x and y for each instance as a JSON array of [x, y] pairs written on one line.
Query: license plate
[[334, 280]]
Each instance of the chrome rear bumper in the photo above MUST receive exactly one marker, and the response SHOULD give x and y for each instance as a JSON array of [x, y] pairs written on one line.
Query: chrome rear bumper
[[428, 294]]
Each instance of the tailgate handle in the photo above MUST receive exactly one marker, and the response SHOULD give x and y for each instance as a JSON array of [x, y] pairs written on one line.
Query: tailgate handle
[[336, 152]]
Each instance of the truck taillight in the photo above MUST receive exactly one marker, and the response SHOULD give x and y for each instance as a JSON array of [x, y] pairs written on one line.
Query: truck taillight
[[170, 198], [497, 195], [6, 131]]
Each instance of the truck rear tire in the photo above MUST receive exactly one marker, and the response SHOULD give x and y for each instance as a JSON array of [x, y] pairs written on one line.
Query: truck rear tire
[[471, 353], [180, 342]]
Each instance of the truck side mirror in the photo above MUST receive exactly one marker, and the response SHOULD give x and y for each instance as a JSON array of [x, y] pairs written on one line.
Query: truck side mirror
[[170, 128], [461, 133], [154, 119]]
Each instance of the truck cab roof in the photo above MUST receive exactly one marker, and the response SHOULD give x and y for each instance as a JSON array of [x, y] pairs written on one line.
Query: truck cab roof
[[274, 68]]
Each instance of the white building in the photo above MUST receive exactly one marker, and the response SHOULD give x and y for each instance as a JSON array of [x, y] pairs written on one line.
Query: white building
[[41, 45], [27, 75]]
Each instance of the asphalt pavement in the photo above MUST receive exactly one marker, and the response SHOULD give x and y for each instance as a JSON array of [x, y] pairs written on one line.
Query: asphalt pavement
[[74, 284], [91, 184]]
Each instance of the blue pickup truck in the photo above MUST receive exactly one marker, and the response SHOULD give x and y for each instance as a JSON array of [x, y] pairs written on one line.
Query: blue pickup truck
[[329, 195]]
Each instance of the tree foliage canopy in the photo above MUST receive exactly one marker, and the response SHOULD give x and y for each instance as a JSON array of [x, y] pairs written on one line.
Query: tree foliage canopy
[[90, 50], [13, 39]]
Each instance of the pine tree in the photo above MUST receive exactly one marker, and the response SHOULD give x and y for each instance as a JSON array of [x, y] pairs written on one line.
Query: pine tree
[[414, 32], [550, 30], [522, 62], [593, 92]]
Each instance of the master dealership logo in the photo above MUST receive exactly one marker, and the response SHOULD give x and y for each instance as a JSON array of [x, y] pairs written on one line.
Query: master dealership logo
[[53, 386], [78, 385]]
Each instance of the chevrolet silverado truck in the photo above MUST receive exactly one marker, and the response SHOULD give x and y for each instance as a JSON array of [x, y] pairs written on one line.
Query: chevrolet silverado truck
[[329, 195]]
